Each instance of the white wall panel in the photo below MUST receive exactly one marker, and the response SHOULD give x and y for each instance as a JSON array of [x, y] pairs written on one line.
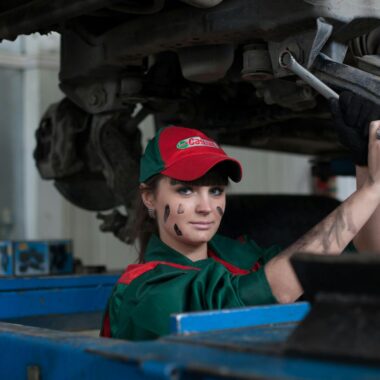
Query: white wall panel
[[345, 187], [11, 155], [271, 173], [11, 46]]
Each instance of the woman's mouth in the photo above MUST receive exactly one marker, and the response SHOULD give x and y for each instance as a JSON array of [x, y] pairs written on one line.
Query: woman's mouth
[[202, 225]]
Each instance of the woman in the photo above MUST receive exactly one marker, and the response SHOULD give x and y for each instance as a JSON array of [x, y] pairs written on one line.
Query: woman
[[185, 266]]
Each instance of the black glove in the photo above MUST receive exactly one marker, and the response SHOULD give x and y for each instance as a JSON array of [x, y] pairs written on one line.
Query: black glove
[[353, 114]]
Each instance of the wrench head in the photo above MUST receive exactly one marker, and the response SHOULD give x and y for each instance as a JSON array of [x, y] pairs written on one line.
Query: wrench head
[[285, 59]]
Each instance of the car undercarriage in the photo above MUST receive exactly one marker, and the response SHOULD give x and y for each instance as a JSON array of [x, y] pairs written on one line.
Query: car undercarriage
[[208, 64]]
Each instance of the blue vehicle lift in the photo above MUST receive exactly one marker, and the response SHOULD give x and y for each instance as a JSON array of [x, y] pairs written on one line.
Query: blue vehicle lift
[[69, 303], [36, 342]]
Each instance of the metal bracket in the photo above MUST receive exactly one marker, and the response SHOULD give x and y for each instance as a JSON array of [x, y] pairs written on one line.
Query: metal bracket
[[324, 31], [346, 77], [304, 47]]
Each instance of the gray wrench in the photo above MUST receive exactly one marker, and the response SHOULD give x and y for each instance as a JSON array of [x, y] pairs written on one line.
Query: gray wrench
[[287, 61]]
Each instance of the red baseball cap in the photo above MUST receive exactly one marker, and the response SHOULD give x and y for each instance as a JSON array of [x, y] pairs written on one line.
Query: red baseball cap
[[185, 154]]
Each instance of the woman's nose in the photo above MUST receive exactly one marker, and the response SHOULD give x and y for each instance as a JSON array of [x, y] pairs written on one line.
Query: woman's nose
[[204, 204]]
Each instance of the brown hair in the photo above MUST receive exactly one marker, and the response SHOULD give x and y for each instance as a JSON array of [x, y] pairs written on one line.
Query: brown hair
[[145, 226]]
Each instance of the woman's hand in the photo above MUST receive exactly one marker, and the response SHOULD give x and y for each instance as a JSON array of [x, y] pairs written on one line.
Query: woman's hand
[[352, 115]]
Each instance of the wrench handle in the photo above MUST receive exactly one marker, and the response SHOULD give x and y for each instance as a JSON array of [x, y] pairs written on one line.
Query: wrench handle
[[288, 62]]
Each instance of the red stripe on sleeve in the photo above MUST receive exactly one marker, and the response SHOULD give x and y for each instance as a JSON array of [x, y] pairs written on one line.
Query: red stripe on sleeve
[[231, 268], [134, 271]]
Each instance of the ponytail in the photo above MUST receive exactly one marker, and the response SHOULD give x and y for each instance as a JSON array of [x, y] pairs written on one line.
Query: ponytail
[[144, 225]]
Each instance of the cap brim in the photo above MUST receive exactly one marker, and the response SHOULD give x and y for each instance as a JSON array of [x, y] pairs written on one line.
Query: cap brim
[[194, 167]]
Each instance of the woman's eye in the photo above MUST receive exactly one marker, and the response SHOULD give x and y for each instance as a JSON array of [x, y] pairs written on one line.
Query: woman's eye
[[216, 191], [184, 190]]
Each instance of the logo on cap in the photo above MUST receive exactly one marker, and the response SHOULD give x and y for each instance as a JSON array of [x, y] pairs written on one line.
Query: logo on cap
[[196, 141]]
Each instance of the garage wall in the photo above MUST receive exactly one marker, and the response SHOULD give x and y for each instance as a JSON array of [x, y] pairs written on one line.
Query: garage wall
[[11, 154], [271, 173], [39, 211]]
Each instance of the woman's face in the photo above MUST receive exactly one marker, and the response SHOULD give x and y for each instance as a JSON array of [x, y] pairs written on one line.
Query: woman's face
[[188, 215]]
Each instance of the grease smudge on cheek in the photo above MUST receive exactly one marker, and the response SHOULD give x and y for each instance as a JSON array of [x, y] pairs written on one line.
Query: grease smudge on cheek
[[177, 230], [180, 210], [220, 211], [166, 213]]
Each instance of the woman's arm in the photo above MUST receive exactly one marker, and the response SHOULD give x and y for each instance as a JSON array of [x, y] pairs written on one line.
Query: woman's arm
[[332, 234], [368, 238]]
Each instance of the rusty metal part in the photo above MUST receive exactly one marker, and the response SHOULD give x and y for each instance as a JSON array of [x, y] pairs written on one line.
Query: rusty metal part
[[117, 223], [93, 159], [106, 95], [119, 151], [61, 125], [206, 64], [286, 93], [257, 65]]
